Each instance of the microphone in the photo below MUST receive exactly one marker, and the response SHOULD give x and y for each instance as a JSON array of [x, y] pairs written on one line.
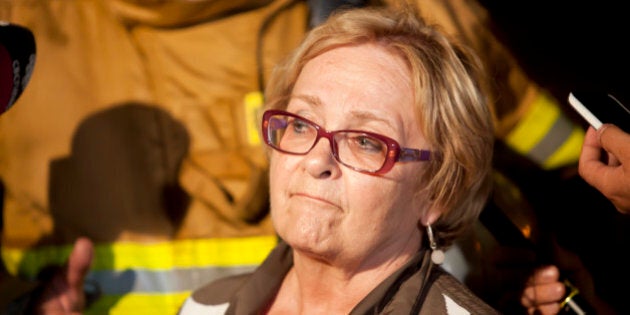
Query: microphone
[[17, 59]]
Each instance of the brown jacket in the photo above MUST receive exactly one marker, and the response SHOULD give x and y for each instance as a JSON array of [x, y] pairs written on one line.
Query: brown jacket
[[419, 287]]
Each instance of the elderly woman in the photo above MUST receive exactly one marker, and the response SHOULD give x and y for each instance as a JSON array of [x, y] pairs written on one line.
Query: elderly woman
[[381, 143]]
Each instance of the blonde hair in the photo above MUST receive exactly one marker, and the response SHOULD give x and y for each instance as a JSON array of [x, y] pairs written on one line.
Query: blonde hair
[[450, 100]]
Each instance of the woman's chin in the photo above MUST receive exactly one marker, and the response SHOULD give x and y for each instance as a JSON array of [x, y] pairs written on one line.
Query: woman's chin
[[312, 247]]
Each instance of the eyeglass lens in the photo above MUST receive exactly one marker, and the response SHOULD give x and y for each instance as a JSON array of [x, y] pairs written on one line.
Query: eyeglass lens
[[357, 150]]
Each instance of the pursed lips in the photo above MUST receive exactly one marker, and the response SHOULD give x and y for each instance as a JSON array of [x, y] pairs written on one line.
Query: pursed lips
[[314, 198]]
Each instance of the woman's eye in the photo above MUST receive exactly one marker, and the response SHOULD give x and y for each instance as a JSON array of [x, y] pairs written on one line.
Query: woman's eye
[[300, 126], [369, 143]]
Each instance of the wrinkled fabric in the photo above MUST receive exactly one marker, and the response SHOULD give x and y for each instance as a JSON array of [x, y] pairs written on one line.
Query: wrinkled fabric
[[198, 68]]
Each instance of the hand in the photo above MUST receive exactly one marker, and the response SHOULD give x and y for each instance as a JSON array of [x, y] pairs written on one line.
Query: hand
[[64, 293], [609, 174], [543, 292]]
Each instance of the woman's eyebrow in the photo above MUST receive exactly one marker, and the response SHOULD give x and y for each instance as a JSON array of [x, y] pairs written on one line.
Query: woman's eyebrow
[[357, 114], [366, 116], [309, 99]]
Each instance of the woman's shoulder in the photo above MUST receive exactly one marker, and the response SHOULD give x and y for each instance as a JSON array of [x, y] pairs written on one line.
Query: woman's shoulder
[[214, 297], [448, 293]]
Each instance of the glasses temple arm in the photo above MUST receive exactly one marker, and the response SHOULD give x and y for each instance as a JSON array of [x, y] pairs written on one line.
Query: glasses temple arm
[[409, 155]]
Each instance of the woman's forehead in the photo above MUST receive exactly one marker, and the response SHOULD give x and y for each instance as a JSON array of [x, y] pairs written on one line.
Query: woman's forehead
[[366, 73]]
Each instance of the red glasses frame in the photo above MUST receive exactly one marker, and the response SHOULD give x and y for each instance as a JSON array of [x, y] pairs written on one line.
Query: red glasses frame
[[395, 153]]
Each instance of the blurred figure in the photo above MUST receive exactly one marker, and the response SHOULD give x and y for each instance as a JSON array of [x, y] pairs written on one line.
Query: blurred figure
[[603, 164], [17, 61]]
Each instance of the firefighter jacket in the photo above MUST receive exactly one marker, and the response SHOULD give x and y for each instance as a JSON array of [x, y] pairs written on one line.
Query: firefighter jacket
[[139, 130]]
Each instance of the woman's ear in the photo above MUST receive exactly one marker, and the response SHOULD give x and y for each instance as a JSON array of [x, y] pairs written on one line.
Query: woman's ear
[[431, 215]]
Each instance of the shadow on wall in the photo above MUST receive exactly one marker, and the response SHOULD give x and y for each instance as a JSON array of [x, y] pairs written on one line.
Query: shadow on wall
[[121, 176], [120, 180]]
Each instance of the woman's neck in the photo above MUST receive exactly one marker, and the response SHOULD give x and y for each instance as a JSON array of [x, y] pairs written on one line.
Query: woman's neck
[[314, 286]]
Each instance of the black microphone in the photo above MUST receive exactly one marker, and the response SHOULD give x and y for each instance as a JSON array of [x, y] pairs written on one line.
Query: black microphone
[[17, 59]]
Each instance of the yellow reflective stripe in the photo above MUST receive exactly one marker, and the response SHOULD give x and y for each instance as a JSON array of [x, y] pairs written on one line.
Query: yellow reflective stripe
[[164, 255], [533, 127], [189, 253], [138, 304], [30, 261], [569, 152], [546, 136], [253, 105]]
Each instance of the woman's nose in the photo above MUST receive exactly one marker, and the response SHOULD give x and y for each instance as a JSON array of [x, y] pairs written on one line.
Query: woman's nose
[[320, 161]]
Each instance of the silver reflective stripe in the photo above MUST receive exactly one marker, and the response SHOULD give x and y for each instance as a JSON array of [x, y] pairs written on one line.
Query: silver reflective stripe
[[555, 137], [159, 281]]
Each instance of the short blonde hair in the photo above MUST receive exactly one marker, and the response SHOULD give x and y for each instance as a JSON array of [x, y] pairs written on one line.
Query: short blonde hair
[[450, 100]]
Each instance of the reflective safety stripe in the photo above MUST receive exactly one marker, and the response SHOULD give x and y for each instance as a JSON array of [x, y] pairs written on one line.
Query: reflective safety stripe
[[253, 106], [219, 252], [569, 152], [160, 281], [546, 136], [154, 278], [138, 304]]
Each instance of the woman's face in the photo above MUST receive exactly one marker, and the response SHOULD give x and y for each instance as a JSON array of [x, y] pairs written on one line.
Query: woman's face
[[331, 212]]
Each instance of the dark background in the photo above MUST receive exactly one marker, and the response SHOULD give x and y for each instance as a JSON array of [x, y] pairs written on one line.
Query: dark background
[[568, 44]]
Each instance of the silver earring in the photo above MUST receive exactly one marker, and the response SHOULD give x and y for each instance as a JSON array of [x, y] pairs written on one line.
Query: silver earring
[[437, 255]]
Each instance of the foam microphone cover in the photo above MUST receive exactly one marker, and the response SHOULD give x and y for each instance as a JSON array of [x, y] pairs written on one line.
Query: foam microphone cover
[[17, 59]]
